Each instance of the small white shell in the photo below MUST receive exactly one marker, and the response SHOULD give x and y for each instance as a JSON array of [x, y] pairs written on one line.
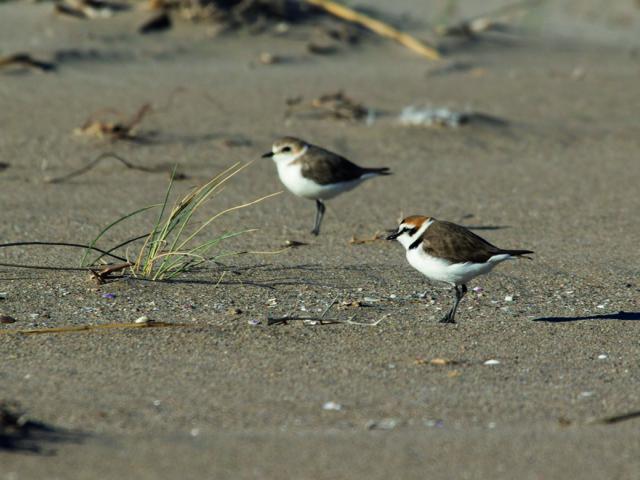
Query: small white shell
[[143, 320]]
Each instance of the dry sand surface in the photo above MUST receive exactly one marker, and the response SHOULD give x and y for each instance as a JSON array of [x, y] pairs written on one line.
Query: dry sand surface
[[222, 398]]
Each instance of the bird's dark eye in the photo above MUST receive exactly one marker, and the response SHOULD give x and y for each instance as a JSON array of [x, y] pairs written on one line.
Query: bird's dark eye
[[408, 230], [286, 149]]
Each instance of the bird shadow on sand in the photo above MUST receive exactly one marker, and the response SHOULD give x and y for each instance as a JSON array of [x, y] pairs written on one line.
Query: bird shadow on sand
[[605, 316], [21, 435]]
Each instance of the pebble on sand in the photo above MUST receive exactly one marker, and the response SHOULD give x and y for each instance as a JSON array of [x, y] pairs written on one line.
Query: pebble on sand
[[7, 319], [332, 406], [384, 424], [143, 320]]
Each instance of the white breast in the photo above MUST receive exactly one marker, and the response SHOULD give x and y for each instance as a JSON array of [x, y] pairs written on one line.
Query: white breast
[[291, 177], [445, 271]]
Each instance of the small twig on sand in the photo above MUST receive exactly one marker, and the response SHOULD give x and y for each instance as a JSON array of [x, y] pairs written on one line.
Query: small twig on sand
[[26, 60], [92, 328], [103, 275], [63, 244], [114, 130], [619, 418], [97, 160], [322, 320], [360, 241], [496, 20], [378, 27]]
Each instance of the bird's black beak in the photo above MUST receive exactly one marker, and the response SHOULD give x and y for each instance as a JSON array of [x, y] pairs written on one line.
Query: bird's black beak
[[393, 234], [267, 155]]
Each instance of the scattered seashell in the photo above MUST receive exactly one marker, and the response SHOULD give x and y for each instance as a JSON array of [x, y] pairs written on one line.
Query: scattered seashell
[[434, 423], [143, 320], [439, 361], [492, 362], [332, 406], [254, 322], [384, 424], [5, 319], [508, 298], [602, 356], [267, 58]]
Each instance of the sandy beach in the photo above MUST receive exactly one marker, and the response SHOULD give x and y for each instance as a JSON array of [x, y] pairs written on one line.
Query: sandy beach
[[544, 351]]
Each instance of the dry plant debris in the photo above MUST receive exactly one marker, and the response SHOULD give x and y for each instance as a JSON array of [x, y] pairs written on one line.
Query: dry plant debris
[[26, 60], [444, 117], [359, 241], [157, 23], [294, 244], [437, 362], [236, 13], [91, 328], [123, 130], [88, 8], [105, 274], [327, 39], [378, 27], [495, 21], [330, 105], [93, 163]]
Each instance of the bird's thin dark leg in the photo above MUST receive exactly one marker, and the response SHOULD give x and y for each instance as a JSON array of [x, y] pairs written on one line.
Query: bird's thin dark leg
[[319, 214], [450, 317]]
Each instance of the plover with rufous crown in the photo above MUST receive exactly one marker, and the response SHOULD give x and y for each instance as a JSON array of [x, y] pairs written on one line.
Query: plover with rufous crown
[[312, 172], [450, 253]]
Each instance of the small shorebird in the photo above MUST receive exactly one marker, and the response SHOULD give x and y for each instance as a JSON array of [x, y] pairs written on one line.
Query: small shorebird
[[450, 253], [312, 172]]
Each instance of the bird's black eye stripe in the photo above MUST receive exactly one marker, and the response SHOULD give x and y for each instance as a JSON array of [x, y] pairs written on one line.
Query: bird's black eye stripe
[[411, 231]]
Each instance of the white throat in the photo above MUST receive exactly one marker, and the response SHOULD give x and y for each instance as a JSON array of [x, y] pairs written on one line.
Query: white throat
[[406, 240]]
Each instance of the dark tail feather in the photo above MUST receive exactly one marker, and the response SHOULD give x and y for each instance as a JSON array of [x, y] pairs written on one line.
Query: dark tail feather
[[518, 253], [378, 171]]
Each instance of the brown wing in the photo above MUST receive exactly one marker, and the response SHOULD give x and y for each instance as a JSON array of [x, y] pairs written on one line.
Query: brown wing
[[326, 167], [457, 244]]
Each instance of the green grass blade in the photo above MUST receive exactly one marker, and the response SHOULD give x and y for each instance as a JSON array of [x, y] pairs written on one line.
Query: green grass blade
[[109, 227]]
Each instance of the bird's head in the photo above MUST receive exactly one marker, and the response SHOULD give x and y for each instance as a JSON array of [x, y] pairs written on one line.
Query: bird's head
[[410, 229], [287, 149]]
